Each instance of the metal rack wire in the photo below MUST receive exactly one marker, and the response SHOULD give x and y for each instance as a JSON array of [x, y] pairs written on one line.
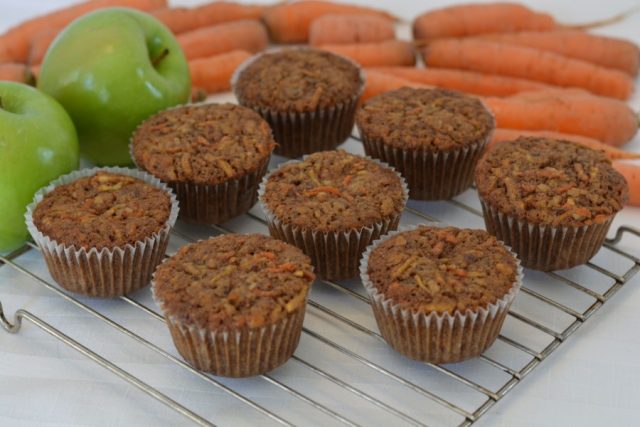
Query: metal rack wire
[[439, 388]]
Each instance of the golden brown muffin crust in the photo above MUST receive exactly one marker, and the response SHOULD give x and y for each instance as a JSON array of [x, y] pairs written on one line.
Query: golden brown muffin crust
[[102, 210], [205, 144], [426, 119], [334, 191], [298, 79], [442, 269], [546, 181], [233, 281]]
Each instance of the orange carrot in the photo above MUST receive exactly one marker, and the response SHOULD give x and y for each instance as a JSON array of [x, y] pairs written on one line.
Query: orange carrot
[[525, 62], [40, 44], [504, 135], [465, 81], [472, 19], [16, 73], [574, 112], [387, 53], [213, 74], [204, 42], [605, 51], [631, 173], [15, 43], [323, 189], [183, 19], [377, 83], [286, 267], [342, 29], [266, 254], [290, 22]]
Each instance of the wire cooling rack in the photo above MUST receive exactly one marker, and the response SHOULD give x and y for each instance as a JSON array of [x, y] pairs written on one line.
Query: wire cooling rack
[[343, 373]]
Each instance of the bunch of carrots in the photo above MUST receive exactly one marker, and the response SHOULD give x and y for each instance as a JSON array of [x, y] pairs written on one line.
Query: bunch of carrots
[[537, 76]]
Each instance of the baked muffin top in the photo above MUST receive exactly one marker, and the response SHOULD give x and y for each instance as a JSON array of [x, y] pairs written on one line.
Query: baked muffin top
[[298, 79], [433, 269], [334, 191], [233, 281], [105, 210], [545, 181], [204, 144], [425, 119]]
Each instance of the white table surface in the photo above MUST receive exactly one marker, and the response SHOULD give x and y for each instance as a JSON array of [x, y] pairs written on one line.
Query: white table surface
[[592, 380]]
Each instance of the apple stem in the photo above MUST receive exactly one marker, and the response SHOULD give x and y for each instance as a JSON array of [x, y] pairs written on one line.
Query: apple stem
[[160, 57], [29, 78]]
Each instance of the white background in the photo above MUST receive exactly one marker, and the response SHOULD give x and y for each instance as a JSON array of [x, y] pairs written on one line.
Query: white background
[[593, 379]]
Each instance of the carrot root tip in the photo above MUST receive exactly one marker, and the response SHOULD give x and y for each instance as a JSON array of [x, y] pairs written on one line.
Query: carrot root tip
[[603, 22]]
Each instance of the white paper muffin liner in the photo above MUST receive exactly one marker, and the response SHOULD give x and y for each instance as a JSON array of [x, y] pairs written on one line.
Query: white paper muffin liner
[[244, 352], [106, 272], [334, 254], [437, 337], [212, 203], [306, 132], [546, 247]]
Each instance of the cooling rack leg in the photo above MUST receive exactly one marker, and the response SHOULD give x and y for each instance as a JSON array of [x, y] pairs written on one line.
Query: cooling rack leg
[[146, 388], [620, 233], [8, 326]]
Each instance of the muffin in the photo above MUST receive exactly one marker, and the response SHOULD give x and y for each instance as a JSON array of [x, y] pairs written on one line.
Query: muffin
[[551, 201], [212, 155], [234, 304], [332, 204], [102, 231], [308, 96], [440, 294], [433, 137]]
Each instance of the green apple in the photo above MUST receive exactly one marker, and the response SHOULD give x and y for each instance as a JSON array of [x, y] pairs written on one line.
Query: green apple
[[38, 143], [111, 69]]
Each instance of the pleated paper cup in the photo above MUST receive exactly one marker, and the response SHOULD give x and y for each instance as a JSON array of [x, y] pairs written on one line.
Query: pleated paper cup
[[431, 175], [106, 272], [335, 255], [218, 203], [546, 247], [243, 352], [305, 132], [437, 337]]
